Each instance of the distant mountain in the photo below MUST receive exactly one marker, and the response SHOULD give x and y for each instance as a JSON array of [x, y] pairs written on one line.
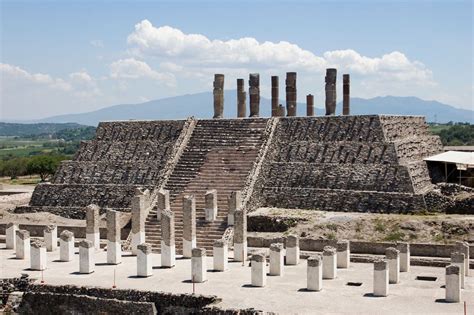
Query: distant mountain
[[21, 130], [200, 106]]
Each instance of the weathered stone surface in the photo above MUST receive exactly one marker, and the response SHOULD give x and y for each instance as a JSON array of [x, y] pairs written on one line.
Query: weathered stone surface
[[38, 244], [168, 228], [240, 227], [138, 205], [92, 219], [218, 95], [23, 234], [342, 245], [189, 218], [254, 92], [331, 75], [291, 94], [277, 247], [309, 105], [258, 257], [380, 264], [275, 96], [346, 88], [50, 228], [392, 253], [66, 235], [292, 241], [315, 261], [86, 244], [199, 252], [457, 257], [452, 270], [145, 248], [403, 247], [113, 226], [241, 99], [329, 251]]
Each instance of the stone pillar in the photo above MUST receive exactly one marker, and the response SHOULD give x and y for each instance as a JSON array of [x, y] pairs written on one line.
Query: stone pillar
[[138, 204], [275, 95], [291, 94], [463, 247], [38, 259], [343, 254], [277, 258], [50, 234], [404, 249], [281, 110], [329, 263], [453, 284], [234, 202], [114, 248], [218, 95], [22, 244], [144, 263], [10, 235], [220, 252], [331, 75], [162, 202], [241, 99], [381, 278], [309, 105], [189, 225], [92, 225], [314, 273], [258, 270], [211, 205], [86, 256], [393, 257], [346, 94], [199, 265], [66, 246], [292, 250], [254, 92], [168, 248], [458, 259], [240, 235]]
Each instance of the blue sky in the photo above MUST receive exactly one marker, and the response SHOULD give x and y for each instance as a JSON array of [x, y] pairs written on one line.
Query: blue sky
[[73, 56]]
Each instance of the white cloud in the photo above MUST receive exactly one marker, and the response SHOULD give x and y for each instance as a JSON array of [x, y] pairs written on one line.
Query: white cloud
[[14, 72], [131, 68], [97, 43]]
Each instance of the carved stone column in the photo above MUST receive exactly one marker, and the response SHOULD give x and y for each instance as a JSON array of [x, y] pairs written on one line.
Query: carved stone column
[[218, 95], [291, 94], [275, 95], [346, 91], [331, 75], [254, 91], [309, 105], [241, 99]]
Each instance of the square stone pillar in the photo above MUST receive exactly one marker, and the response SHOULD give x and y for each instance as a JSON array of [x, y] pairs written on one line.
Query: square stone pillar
[[38, 259], [162, 202], [329, 262], [138, 205], [393, 257], [292, 250], [86, 256], [343, 254], [22, 244], [259, 270], [92, 225], [458, 259], [241, 99], [234, 202], [50, 234], [168, 248], [314, 273], [220, 252], [453, 284], [66, 246], [463, 247], [381, 278], [144, 263], [277, 257], [114, 247], [199, 265], [189, 225], [240, 235], [404, 249], [211, 205], [10, 235]]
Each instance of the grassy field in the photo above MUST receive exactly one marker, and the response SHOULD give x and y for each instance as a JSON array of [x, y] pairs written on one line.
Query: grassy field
[[11, 147], [22, 180]]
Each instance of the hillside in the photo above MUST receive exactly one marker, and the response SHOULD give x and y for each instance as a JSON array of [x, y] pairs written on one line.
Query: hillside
[[35, 129]]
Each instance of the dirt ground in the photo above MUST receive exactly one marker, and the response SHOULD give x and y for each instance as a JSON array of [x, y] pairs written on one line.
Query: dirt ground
[[376, 227]]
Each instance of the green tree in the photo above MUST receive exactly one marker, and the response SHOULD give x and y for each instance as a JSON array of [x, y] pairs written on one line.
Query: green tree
[[44, 165], [14, 167]]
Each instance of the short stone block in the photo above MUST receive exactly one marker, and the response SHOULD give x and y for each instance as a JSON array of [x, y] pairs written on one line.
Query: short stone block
[[381, 278], [314, 273], [404, 249], [220, 252], [22, 244], [211, 205], [86, 257], [343, 254], [329, 262], [38, 259], [458, 259], [51, 237], [66, 246], [10, 235], [144, 260], [258, 270], [453, 284], [277, 257], [393, 257], [198, 265], [292, 250]]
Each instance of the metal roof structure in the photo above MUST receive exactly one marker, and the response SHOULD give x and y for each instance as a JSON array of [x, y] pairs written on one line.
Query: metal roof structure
[[463, 160]]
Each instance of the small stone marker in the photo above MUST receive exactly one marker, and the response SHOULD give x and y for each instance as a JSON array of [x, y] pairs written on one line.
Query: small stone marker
[[277, 257], [114, 248], [92, 225], [329, 263], [138, 205], [168, 248], [86, 257], [220, 252], [343, 254], [50, 234], [458, 259], [66, 246], [162, 202], [10, 237], [381, 278], [404, 249], [144, 260], [38, 256], [314, 273], [453, 284], [393, 257], [463, 247], [199, 265], [189, 225], [292, 250], [211, 205], [240, 235], [258, 270], [22, 244], [234, 202]]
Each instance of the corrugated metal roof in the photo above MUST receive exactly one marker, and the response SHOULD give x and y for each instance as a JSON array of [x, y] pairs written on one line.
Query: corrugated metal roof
[[455, 157]]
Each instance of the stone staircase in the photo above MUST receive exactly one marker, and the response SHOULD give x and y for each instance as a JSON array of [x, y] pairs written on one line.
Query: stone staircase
[[220, 155]]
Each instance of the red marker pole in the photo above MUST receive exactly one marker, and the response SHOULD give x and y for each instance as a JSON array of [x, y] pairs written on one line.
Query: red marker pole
[[194, 287], [42, 277], [114, 286]]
